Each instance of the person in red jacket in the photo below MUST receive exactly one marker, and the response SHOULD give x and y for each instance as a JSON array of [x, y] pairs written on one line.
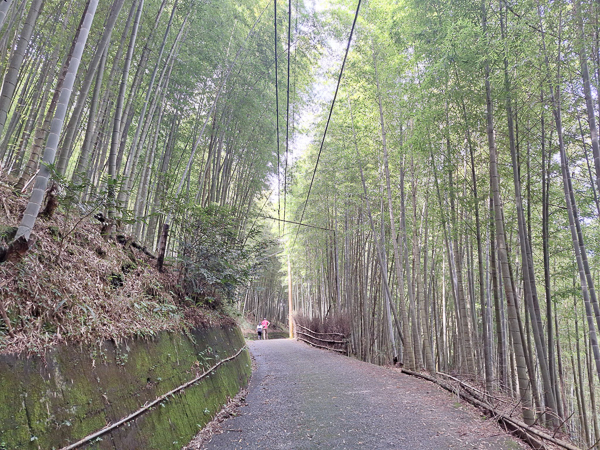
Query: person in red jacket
[[265, 325]]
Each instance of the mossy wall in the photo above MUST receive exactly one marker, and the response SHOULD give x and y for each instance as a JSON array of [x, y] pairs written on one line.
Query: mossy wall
[[52, 401]]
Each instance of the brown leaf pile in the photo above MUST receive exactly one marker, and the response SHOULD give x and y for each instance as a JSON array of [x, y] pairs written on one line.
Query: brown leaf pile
[[215, 426], [73, 285]]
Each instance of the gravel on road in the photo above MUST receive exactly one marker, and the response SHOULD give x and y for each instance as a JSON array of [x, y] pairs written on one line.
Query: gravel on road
[[305, 398]]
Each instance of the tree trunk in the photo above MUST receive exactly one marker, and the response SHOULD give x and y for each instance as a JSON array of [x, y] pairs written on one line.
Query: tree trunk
[[462, 312], [10, 78], [41, 182], [524, 389], [421, 294], [379, 250], [66, 148], [160, 190], [169, 217], [129, 110], [546, 255], [407, 344], [531, 298], [140, 203], [587, 285], [112, 158], [36, 116], [4, 6], [585, 75], [162, 247], [487, 351], [142, 123], [80, 172], [412, 308], [502, 361]]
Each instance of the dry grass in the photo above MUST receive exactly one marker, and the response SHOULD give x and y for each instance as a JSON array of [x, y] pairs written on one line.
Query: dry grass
[[78, 287]]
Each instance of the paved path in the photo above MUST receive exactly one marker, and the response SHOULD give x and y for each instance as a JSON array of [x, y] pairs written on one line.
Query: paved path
[[304, 398]]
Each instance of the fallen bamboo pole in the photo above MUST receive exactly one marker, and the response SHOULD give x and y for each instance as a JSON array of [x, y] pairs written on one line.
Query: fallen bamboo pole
[[314, 332], [146, 407], [322, 346], [523, 430], [331, 341]]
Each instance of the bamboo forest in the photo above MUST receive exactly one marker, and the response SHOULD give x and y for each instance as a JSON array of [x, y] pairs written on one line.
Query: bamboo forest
[[422, 176]]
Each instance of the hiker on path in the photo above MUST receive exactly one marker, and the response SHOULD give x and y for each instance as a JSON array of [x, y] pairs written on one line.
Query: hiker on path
[[265, 326], [259, 330]]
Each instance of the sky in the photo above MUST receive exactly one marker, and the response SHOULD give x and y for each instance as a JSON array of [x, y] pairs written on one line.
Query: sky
[[307, 128]]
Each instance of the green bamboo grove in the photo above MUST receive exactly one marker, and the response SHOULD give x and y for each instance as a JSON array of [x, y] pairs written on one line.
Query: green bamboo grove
[[459, 188], [142, 108], [453, 217]]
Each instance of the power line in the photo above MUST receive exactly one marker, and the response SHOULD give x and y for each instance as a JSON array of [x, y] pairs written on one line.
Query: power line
[[329, 117], [287, 114], [277, 113], [297, 223]]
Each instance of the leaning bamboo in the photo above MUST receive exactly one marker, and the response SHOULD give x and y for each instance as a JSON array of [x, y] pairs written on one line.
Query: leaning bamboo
[[523, 430], [39, 190]]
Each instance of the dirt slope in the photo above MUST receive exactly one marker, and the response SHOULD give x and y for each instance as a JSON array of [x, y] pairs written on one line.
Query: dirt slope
[[74, 285]]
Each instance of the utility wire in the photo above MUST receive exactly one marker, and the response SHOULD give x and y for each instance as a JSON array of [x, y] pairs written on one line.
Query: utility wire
[[298, 223], [277, 113], [328, 119], [287, 114]]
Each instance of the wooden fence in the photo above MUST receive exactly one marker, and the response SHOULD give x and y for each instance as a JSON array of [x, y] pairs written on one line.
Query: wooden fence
[[336, 342]]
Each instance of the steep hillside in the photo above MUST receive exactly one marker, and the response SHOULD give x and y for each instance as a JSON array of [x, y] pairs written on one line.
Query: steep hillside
[[74, 285]]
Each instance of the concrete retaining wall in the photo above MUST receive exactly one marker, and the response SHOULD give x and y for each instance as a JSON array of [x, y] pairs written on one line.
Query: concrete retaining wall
[[51, 402]]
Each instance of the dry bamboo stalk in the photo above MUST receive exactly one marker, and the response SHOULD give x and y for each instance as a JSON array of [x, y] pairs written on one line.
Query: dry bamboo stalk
[[522, 428], [321, 346], [322, 340], [314, 332], [29, 182], [146, 407]]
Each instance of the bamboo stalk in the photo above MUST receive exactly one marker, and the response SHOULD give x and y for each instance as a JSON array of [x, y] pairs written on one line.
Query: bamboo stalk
[[524, 430], [322, 346]]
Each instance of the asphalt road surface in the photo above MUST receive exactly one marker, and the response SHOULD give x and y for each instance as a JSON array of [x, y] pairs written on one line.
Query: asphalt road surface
[[305, 398]]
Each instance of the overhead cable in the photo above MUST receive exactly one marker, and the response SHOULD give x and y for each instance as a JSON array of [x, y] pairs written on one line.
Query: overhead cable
[[328, 118], [287, 114], [277, 114]]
